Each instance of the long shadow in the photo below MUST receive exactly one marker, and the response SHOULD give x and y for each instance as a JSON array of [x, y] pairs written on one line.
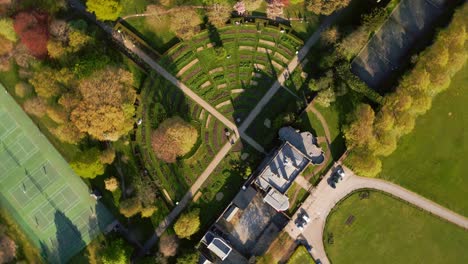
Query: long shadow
[[68, 241], [162, 100], [213, 33]]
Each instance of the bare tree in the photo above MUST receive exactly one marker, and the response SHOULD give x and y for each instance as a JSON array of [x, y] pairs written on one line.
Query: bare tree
[[168, 245], [218, 14]]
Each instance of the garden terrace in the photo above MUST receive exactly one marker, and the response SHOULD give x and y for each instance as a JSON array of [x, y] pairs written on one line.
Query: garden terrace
[[162, 100], [233, 67]]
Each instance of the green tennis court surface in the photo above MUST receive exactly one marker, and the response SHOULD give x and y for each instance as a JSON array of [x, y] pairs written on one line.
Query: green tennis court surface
[[39, 189]]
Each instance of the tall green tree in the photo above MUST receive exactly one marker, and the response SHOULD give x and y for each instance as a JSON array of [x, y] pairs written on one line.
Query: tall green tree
[[104, 9], [187, 224]]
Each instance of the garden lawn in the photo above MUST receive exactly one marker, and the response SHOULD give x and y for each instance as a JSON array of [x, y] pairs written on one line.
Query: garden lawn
[[301, 256], [159, 36], [387, 230], [432, 159]]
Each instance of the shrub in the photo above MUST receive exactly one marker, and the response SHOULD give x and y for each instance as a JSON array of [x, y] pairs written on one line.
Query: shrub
[[187, 224], [130, 207], [111, 184]]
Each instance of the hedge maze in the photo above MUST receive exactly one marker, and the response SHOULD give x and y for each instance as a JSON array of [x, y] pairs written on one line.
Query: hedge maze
[[161, 100], [234, 66]]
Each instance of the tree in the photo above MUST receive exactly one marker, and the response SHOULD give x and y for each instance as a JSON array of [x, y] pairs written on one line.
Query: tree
[[155, 12], [35, 106], [130, 207], [187, 224], [189, 258], [107, 156], [274, 9], [148, 211], [375, 19], [57, 114], [68, 133], [59, 30], [353, 43], [106, 110], [23, 89], [386, 143], [364, 163], [88, 164], [218, 14], [7, 30], [77, 40], [239, 7], [330, 35], [111, 184], [33, 31], [359, 132], [116, 252], [48, 82], [56, 49], [184, 22], [326, 7], [7, 249], [44, 83], [168, 245], [174, 137], [104, 9], [6, 49], [325, 97]]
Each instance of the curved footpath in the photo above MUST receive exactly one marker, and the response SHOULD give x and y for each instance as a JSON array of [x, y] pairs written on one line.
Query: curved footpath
[[322, 200]]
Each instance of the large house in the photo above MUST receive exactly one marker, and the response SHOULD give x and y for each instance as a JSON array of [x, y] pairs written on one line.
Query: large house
[[254, 218]]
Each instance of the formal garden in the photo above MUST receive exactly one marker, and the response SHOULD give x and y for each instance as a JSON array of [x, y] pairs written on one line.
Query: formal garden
[[370, 227], [233, 66], [160, 102]]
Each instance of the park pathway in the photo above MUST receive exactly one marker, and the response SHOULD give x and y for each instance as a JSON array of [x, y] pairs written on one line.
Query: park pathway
[[323, 198], [298, 58], [119, 39]]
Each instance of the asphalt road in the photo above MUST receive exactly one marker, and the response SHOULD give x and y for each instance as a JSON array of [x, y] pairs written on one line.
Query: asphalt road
[[322, 199]]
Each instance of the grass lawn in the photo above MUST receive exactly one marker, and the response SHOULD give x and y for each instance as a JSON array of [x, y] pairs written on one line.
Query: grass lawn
[[334, 115], [301, 256], [387, 230], [296, 195], [432, 159], [158, 36]]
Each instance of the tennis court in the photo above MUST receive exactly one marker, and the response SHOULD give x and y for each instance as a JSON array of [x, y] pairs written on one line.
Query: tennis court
[[38, 188], [389, 47]]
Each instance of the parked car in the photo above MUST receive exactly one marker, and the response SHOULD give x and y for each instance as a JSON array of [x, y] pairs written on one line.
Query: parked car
[[300, 225], [340, 171], [305, 217]]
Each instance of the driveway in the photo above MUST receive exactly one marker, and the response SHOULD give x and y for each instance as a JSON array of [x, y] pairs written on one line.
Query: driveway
[[322, 199]]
